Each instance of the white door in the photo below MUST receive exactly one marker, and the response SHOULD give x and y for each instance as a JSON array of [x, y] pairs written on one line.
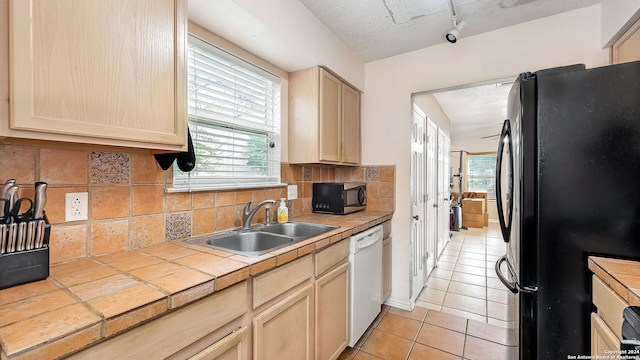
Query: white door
[[444, 192], [418, 247], [431, 224]]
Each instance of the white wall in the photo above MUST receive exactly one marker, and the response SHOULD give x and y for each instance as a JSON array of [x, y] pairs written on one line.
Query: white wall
[[617, 17], [283, 32], [572, 37], [430, 106]]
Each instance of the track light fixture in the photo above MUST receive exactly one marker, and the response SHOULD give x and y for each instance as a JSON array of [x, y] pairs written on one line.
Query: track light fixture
[[453, 35]]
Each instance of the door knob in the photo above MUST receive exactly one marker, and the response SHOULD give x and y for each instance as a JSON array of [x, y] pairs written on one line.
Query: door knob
[[416, 217]]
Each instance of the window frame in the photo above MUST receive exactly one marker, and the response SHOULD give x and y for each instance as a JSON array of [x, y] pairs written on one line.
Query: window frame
[[490, 195], [227, 51]]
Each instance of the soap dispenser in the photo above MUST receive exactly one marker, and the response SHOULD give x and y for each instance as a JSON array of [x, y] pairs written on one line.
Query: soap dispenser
[[283, 212]]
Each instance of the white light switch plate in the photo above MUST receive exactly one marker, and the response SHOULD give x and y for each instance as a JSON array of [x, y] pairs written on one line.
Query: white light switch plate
[[76, 206], [292, 192]]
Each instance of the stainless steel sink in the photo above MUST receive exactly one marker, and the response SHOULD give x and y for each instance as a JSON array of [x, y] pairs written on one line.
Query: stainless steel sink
[[251, 243], [297, 230], [261, 239]]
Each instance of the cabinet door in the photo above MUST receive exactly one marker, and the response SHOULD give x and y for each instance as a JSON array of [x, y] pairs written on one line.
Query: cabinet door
[[350, 125], [386, 268], [330, 113], [284, 330], [603, 340], [231, 347], [99, 71], [332, 313]]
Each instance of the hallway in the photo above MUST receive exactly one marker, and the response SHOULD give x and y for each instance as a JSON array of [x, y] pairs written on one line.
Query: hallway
[[465, 282]]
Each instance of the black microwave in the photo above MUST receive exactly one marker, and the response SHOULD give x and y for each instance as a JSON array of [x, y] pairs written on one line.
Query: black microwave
[[339, 198]]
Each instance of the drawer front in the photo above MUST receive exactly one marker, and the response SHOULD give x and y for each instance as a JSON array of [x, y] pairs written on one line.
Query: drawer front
[[610, 305], [276, 282], [232, 347], [164, 336], [327, 259]]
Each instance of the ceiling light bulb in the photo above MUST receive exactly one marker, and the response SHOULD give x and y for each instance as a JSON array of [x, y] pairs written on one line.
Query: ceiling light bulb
[[453, 35]]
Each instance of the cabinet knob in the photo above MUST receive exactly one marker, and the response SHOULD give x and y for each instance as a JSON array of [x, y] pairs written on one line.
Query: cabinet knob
[[416, 217]]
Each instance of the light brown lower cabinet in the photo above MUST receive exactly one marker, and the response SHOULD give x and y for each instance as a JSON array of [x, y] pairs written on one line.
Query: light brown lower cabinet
[[283, 331], [332, 313], [603, 340], [299, 311], [606, 324]]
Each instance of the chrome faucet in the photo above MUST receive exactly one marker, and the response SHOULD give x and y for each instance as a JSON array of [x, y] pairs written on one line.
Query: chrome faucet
[[247, 215]]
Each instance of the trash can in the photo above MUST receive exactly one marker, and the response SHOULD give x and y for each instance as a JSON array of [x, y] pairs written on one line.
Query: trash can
[[456, 217]]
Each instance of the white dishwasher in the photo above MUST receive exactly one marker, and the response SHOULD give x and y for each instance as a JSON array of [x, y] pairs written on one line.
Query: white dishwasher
[[365, 256]]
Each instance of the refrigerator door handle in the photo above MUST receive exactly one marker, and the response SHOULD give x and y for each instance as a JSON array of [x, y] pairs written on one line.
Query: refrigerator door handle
[[511, 285], [505, 223]]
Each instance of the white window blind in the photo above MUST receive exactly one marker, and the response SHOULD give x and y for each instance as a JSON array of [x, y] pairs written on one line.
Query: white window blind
[[234, 120], [482, 173]]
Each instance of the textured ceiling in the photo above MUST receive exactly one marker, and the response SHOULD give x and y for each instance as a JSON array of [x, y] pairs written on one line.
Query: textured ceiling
[[377, 29], [476, 114]]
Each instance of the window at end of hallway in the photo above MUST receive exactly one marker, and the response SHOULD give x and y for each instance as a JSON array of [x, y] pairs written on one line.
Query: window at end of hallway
[[482, 172]]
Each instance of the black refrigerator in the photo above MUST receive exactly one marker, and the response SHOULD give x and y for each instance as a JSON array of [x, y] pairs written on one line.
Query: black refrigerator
[[568, 186]]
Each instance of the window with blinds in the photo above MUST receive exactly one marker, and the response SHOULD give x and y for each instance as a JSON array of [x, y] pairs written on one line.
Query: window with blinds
[[482, 173], [234, 120]]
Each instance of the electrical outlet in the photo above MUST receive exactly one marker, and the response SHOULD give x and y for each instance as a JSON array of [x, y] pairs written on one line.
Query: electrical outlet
[[292, 192], [76, 206]]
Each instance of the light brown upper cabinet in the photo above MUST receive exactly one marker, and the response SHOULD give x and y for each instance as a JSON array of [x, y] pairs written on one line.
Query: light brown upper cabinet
[[98, 72], [324, 119], [627, 48]]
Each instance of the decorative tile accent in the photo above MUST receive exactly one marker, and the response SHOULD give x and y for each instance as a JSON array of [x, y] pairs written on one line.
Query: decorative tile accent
[[178, 226], [110, 168], [307, 173], [371, 173]]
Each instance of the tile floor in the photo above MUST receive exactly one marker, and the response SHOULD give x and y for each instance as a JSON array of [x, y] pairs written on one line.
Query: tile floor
[[460, 314], [465, 282]]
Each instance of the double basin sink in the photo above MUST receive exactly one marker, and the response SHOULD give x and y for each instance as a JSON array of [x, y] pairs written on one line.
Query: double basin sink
[[261, 239]]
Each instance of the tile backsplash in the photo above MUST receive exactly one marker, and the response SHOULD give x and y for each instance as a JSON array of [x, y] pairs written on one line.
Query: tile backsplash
[[128, 205]]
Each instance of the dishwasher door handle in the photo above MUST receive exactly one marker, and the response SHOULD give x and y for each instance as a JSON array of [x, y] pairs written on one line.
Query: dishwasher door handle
[[368, 240]]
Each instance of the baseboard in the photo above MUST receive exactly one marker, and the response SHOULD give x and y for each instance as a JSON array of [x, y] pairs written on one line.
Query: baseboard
[[401, 303]]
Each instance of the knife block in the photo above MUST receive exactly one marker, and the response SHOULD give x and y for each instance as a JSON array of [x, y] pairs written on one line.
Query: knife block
[[27, 266]]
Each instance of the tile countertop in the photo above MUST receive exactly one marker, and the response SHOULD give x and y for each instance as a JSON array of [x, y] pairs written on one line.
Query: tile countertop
[[90, 299], [623, 276]]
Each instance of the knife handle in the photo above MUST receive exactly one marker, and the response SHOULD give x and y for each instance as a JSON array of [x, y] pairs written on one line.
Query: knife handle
[[12, 196], [22, 235], [39, 200], [6, 186], [40, 230], [3, 238], [12, 234]]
